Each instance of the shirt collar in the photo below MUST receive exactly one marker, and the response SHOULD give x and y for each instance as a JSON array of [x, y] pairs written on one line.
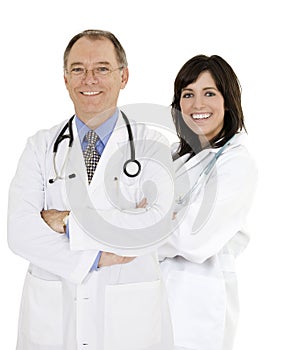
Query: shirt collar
[[104, 131]]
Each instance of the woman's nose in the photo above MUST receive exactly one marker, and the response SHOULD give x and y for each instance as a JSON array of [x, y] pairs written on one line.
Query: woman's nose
[[198, 102]]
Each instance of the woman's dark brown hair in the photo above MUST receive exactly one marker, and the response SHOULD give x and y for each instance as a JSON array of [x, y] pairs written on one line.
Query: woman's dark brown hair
[[227, 83]]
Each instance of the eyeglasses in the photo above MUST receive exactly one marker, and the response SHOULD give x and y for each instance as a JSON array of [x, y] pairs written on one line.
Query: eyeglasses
[[101, 71]]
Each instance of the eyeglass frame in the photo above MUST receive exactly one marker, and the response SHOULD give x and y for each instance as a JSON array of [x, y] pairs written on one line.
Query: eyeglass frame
[[95, 71]]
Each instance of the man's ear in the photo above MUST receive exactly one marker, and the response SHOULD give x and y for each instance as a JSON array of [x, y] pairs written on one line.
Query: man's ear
[[124, 77], [65, 80]]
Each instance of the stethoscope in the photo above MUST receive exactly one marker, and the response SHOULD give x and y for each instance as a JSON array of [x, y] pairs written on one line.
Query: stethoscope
[[182, 200], [131, 167]]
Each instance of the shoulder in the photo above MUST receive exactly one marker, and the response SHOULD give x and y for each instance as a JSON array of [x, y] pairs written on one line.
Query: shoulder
[[236, 164], [143, 131], [238, 151], [45, 137]]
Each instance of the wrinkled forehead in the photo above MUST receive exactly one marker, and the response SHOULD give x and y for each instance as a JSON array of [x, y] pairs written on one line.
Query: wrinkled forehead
[[92, 51]]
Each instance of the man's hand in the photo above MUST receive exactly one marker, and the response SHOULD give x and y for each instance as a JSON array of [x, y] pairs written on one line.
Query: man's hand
[[142, 204], [109, 259], [54, 219]]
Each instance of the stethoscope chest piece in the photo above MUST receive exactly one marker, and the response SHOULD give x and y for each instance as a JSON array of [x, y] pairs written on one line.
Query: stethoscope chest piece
[[132, 168]]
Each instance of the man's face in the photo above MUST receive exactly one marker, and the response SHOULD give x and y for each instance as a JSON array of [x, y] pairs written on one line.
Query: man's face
[[94, 94]]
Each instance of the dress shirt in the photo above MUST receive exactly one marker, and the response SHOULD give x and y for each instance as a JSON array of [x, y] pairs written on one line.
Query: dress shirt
[[104, 132]]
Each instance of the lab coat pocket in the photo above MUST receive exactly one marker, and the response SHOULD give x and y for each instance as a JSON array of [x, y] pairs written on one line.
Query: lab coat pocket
[[133, 318], [41, 311], [197, 306], [60, 200]]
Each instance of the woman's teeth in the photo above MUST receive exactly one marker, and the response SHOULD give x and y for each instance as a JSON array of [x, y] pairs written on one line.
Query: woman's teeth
[[201, 116]]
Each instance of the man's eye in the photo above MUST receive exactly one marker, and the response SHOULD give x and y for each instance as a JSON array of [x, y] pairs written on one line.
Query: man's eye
[[102, 69], [77, 70]]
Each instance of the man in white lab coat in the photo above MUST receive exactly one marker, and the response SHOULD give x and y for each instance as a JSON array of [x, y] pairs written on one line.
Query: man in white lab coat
[[77, 294]]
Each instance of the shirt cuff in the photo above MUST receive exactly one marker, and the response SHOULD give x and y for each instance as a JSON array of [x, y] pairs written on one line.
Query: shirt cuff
[[95, 266], [67, 229]]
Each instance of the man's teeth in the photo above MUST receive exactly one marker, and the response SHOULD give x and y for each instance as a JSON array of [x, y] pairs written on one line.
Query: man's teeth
[[90, 93], [201, 116]]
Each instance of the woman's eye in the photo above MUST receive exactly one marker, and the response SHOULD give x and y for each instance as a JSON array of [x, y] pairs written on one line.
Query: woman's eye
[[209, 94], [187, 95]]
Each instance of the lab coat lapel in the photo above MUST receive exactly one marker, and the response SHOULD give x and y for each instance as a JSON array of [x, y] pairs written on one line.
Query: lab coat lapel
[[76, 163], [58, 186], [118, 137], [182, 165], [60, 156]]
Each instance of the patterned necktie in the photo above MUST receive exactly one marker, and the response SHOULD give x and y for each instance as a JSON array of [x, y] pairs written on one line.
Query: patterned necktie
[[91, 155]]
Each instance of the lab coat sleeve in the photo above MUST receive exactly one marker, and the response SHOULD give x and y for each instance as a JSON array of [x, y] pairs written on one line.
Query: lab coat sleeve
[[28, 235], [154, 183], [232, 186]]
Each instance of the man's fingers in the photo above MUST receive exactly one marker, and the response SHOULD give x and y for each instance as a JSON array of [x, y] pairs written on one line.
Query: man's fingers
[[109, 259], [142, 204]]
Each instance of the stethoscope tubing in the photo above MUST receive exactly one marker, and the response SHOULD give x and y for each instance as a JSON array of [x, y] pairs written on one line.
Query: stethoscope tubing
[[205, 173], [132, 150], [62, 136]]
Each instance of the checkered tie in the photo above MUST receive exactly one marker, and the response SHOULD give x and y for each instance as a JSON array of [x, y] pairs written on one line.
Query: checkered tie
[[91, 155]]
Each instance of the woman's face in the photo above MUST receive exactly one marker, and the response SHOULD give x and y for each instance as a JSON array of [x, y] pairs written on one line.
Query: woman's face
[[202, 107]]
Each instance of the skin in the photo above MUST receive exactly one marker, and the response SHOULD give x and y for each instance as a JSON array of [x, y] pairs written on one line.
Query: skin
[[96, 109], [54, 219], [203, 98], [92, 110]]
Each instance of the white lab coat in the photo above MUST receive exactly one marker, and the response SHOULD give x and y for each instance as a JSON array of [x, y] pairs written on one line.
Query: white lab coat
[[198, 259], [64, 305]]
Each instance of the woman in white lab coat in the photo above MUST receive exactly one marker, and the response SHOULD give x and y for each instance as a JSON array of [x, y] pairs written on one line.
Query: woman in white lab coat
[[198, 260]]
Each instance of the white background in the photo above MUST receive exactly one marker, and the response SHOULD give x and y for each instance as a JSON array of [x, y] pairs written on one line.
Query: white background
[[158, 36]]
